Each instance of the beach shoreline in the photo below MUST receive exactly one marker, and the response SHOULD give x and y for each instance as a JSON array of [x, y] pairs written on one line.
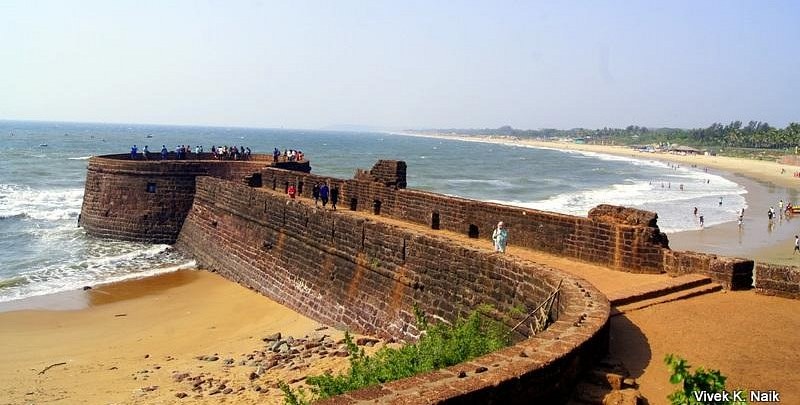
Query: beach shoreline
[[766, 183]]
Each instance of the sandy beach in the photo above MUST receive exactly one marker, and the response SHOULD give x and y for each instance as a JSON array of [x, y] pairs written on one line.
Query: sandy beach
[[131, 342]]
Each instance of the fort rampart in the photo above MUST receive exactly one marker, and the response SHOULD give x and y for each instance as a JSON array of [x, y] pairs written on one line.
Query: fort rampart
[[147, 200], [364, 274], [368, 276]]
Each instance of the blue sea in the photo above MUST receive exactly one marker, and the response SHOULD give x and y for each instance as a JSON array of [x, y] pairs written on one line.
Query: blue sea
[[43, 164]]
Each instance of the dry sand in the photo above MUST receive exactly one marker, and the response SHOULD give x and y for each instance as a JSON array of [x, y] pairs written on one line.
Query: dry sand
[[138, 334]]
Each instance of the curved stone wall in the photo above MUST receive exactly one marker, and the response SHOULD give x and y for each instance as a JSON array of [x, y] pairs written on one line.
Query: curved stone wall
[[367, 276], [147, 200]]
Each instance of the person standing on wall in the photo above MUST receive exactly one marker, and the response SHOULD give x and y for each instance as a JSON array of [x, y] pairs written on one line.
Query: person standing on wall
[[334, 196], [500, 237], [323, 194], [315, 193], [291, 191]]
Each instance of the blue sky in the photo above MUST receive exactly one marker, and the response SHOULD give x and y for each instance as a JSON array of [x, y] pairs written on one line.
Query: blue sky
[[401, 64]]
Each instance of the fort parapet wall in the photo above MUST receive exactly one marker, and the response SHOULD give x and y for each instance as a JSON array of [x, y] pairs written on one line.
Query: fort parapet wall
[[621, 238], [368, 276], [147, 200]]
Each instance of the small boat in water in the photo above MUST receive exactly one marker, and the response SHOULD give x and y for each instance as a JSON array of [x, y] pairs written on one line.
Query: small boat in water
[[42, 144]]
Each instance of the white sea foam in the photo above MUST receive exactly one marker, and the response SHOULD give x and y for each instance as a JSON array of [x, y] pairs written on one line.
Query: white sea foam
[[673, 205], [80, 158], [65, 276], [49, 205]]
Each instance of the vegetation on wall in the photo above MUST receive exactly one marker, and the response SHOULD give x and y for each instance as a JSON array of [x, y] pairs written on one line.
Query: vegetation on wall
[[440, 345]]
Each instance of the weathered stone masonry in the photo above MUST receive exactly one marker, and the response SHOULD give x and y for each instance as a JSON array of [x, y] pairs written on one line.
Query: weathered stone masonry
[[620, 238], [147, 201], [366, 275]]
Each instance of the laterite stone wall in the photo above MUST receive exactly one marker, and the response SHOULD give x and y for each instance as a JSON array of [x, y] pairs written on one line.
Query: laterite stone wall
[[147, 200], [367, 276], [624, 239], [782, 281]]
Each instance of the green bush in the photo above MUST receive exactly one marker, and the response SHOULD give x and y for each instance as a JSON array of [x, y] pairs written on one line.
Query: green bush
[[440, 345], [711, 381]]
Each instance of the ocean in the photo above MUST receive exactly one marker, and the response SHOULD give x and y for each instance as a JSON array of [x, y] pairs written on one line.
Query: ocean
[[43, 169]]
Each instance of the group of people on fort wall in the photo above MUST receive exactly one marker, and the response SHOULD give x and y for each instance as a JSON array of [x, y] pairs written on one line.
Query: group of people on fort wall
[[183, 152], [319, 192], [289, 155]]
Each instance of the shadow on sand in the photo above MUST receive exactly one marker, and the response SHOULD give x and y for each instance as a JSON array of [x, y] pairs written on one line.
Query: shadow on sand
[[629, 345]]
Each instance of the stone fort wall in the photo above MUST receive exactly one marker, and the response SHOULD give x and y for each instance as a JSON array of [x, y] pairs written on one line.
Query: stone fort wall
[[368, 276], [365, 275], [620, 238], [147, 200]]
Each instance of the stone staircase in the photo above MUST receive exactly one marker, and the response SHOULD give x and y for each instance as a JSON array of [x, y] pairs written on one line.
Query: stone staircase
[[609, 383], [677, 288]]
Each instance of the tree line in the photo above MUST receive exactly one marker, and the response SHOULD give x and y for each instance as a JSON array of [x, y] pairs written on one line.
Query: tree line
[[756, 134]]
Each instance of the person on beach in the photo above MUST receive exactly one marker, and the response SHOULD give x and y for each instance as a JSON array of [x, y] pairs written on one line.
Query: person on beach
[[315, 193], [720, 201], [695, 211], [500, 237], [291, 191], [740, 221], [323, 194], [702, 221], [796, 245], [334, 196]]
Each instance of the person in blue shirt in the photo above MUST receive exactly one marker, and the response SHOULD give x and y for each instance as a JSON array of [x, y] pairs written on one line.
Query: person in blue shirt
[[164, 152], [134, 151], [323, 194]]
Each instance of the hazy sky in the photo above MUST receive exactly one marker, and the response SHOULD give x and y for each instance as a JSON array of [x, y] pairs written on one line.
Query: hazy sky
[[401, 64]]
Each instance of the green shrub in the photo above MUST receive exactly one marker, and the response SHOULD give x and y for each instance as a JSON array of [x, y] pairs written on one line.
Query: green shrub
[[440, 345], [711, 381]]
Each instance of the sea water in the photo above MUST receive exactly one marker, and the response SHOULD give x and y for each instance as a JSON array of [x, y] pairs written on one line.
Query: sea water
[[43, 169]]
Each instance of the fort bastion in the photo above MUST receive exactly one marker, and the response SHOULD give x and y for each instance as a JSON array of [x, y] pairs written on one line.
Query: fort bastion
[[368, 275]]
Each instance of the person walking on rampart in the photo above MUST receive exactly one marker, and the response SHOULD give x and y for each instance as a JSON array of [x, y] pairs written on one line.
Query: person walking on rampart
[[146, 153], [134, 151], [315, 193], [323, 194], [334, 196], [291, 191], [164, 152], [500, 237]]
